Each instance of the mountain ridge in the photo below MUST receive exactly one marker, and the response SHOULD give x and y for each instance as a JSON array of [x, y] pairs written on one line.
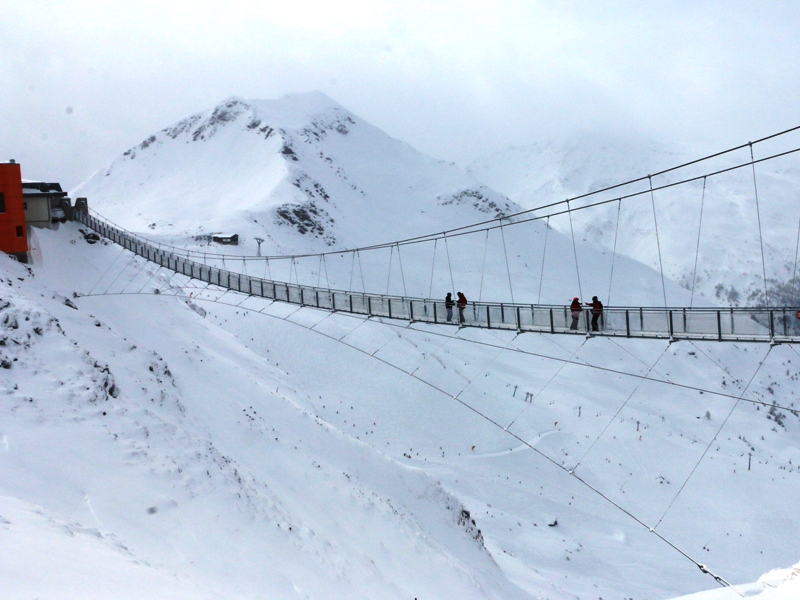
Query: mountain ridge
[[301, 179]]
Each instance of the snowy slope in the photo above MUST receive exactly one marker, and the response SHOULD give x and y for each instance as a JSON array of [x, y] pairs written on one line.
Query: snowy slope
[[300, 172], [177, 442], [730, 269], [150, 443]]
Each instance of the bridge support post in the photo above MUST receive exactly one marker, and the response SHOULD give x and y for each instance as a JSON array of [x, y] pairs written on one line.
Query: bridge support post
[[552, 324], [719, 326], [488, 317], [627, 323], [519, 320], [771, 327]]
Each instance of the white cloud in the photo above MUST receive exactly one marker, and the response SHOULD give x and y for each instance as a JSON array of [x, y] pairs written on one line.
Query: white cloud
[[453, 78]]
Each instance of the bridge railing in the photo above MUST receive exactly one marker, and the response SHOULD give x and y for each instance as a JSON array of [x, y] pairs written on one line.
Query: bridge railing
[[720, 324]]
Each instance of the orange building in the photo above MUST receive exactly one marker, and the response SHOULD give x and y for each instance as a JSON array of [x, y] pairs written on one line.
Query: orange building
[[13, 237]]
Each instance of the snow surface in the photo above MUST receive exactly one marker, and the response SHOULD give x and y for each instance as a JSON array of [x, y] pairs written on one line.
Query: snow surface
[[205, 446], [199, 443]]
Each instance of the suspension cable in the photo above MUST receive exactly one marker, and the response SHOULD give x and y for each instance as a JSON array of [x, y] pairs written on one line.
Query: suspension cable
[[389, 275], [620, 409], [658, 241], [352, 269], [697, 251], [433, 266], [508, 269], [325, 266], [544, 253], [138, 271], [702, 456], [575, 252], [794, 274], [449, 266], [110, 285], [122, 250], [402, 274], [483, 266], [469, 229], [613, 254], [510, 217], [549, 381], [361, 270], [760, 237], [703, 568]]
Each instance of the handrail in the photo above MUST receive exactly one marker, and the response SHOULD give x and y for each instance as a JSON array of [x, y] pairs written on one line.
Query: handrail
[[774, 324]]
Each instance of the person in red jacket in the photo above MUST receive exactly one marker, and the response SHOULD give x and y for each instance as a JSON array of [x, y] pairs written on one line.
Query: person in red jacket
[[576, 308], [597, 312], [462, 304]]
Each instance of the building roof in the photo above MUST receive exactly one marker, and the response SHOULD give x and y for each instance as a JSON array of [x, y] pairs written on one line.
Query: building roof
[[32, 189]]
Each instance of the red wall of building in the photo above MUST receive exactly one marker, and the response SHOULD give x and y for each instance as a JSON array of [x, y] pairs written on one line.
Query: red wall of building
[[13, 236]]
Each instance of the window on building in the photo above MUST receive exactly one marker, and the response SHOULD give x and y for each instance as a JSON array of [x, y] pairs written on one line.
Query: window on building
[[24, 206], [2, 203], [19, 230]]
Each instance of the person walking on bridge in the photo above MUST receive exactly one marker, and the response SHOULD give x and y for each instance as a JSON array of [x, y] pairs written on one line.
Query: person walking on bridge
[[462, 304], [576, 309], [449, 304], [597, 312]]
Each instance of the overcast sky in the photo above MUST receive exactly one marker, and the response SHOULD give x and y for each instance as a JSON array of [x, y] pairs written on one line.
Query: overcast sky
[[84, 80]]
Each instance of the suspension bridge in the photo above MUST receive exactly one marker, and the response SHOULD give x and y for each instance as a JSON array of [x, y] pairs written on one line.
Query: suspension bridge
[[773, 324]]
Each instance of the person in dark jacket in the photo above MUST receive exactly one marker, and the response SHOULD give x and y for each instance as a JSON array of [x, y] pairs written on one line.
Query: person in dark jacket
[[597, 312], [576, 309], [462, 304], [449, 303]]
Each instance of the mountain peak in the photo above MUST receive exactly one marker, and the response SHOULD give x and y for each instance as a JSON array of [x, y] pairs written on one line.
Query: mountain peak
[[301, 171]]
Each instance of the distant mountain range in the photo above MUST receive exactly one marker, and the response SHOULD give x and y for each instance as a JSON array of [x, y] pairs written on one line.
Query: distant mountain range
[[729, 266]]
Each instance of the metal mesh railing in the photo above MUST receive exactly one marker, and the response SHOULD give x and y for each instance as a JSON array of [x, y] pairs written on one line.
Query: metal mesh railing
[[781, 324]]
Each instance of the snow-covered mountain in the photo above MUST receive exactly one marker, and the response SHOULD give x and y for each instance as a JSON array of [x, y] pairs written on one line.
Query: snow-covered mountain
[[158, 439], [306, 175], [301, 172], [729, 269]]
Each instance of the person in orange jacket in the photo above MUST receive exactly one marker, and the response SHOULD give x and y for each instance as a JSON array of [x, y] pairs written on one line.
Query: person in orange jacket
[[597, 312], [576, 308], [462, 304]]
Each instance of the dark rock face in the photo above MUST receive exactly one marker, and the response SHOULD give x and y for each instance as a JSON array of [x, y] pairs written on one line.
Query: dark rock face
[[478, 199], [307, 219]]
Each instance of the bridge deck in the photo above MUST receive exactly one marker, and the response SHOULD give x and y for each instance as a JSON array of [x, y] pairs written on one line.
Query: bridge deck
[[775, 325]]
